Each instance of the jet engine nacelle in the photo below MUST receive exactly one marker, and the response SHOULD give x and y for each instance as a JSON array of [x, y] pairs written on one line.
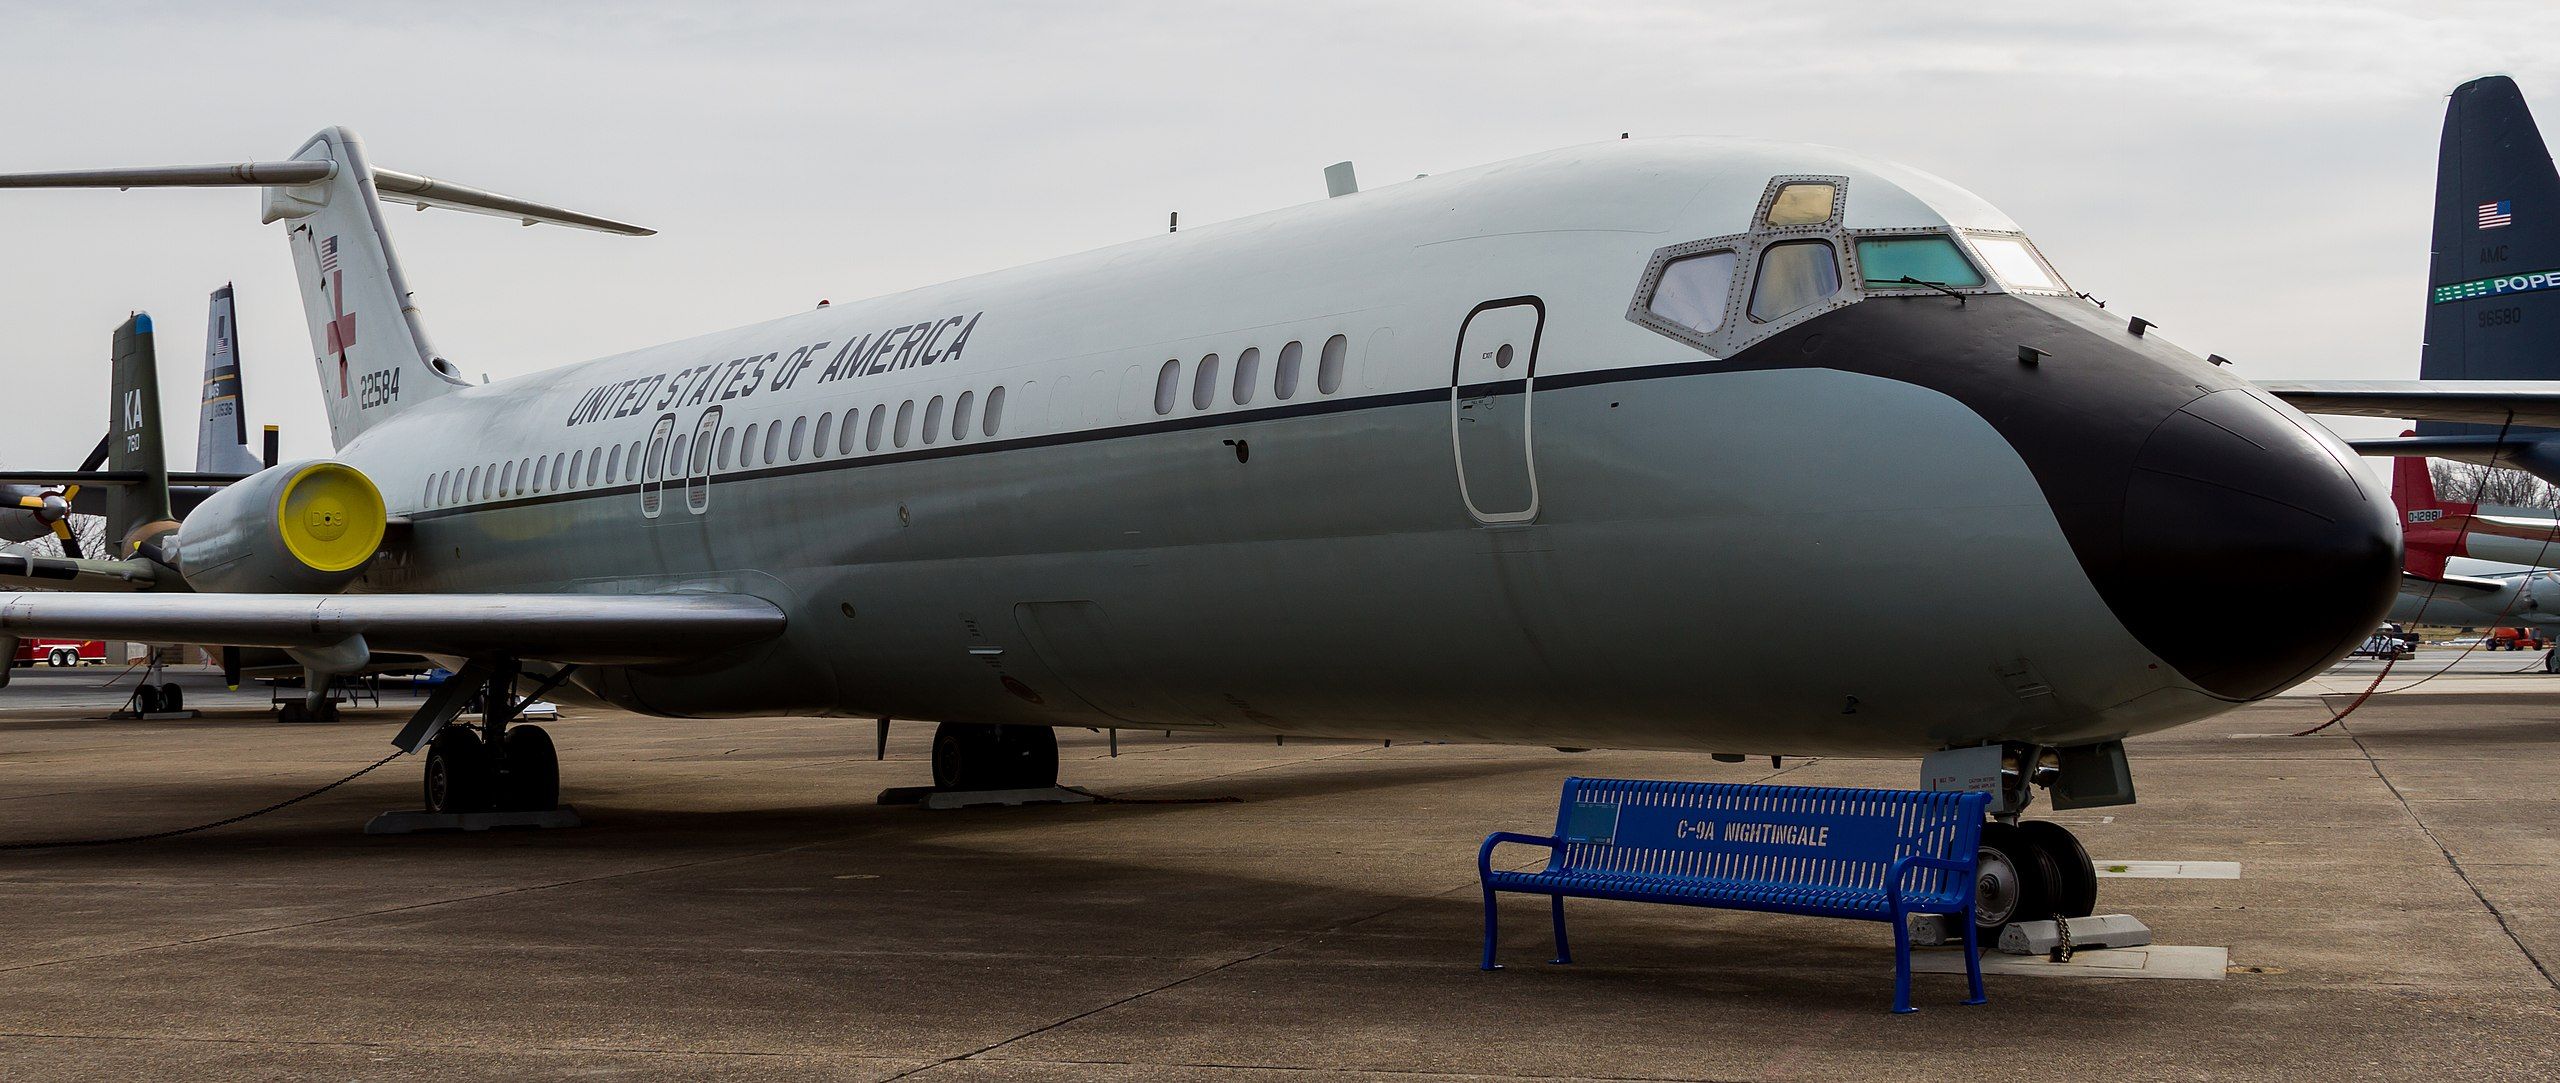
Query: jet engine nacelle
[[299, 528]]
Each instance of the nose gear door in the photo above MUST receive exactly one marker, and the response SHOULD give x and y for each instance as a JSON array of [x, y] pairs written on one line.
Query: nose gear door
[[1489, 409]]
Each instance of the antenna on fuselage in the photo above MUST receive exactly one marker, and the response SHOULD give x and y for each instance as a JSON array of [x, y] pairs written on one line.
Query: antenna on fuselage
[[1338, 180]]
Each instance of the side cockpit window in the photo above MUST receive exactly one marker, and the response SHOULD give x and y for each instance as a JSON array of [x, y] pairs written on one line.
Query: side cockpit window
[[1792, 275], [1918, 261], [2015, 261], [1692, 291]]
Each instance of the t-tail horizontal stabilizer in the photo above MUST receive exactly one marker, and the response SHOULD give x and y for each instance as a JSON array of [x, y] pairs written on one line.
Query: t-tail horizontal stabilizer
[[390, 185]]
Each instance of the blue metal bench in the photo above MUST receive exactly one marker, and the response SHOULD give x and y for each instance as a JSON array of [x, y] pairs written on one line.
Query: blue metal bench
[[1874, 855]]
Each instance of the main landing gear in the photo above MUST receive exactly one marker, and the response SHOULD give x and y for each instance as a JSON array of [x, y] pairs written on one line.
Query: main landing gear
[[981, 756], [977, 763], [495, 765]]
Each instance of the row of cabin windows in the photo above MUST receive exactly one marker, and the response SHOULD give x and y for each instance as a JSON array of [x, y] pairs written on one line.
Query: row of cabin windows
[[760, 444], [1206, 384]]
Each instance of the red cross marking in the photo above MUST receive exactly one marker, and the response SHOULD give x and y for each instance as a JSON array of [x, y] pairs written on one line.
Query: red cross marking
[[342, 329]]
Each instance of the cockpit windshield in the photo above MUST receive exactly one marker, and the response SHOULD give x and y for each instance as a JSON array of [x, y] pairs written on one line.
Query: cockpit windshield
[[1928, 259]]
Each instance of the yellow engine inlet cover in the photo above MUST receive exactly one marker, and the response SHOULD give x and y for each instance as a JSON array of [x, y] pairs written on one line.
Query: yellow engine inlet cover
[[331, 517]]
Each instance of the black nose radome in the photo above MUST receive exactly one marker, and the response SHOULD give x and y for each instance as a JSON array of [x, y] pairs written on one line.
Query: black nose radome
[[2254, 553]]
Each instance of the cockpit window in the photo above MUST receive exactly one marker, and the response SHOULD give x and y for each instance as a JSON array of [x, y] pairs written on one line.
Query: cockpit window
[[2015, 262], [1793, 275], [1887, 263], [1801, 204], [1692, 291]]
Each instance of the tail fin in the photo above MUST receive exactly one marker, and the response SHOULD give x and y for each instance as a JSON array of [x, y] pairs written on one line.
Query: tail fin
[[2431, 529], [136, 513], [222, 423], [373, 354], [2494, 285]]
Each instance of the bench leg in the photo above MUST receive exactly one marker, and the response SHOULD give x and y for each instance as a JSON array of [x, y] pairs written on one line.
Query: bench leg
[[1564, 951], [1489, 934], [1902, 964], [1972, 961]]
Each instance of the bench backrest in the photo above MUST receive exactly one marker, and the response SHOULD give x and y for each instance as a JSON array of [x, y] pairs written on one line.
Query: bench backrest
[[1822, 836]]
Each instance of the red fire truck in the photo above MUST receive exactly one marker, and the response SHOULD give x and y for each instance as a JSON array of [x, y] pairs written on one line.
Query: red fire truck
[[60, 652]]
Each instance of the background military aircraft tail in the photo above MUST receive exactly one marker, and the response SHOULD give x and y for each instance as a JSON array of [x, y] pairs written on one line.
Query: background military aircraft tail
[[2489, 373]]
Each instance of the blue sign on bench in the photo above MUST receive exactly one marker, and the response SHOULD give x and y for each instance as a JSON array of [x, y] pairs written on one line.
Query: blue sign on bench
[[1872, 855]]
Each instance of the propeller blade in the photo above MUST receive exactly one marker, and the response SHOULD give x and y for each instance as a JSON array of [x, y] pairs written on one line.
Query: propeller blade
[[70, 541]]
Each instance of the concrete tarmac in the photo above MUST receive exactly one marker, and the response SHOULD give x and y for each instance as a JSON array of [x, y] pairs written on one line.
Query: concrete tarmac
[[738, 908]]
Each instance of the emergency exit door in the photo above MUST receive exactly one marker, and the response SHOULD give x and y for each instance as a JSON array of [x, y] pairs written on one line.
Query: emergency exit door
[[1489, 407]]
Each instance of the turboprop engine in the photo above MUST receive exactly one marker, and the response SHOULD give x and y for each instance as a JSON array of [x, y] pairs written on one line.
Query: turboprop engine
[[299, 528]]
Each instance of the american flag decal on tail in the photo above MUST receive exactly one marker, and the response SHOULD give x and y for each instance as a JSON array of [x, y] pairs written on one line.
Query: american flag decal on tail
[[2498, 215]]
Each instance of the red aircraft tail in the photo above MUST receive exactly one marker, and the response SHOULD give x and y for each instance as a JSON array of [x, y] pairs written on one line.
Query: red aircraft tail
[[2430, 529]]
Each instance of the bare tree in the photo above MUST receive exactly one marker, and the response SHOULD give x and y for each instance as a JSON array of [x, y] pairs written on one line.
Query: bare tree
[[2471, 483]]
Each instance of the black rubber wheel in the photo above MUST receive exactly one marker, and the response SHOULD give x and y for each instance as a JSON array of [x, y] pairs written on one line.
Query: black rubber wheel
[[1030, 757], [292, 711], [146, 699], [459, 773], [532, 771], [2551, 660], [2075, 887], [171, 699], [328, 711], [60, 659], [2015, 882], [965, 756]]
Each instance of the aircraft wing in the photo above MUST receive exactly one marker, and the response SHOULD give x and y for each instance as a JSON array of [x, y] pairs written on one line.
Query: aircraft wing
[[2534, 403], [618, 629], [2468, 582]]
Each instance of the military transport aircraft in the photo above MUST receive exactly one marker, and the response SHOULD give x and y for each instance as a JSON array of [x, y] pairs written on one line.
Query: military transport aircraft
[[1491, 455], [44, 503]]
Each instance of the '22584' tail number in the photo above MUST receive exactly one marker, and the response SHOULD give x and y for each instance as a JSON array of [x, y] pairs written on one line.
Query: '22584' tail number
[[378, 389]]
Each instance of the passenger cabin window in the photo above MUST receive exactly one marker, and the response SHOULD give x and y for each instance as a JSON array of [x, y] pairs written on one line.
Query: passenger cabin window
[[818, 439], [1204, 384], [1168, 387], [933, 420], [578, 467], [844, 436], [1793, 275], [799, 436], [961, 410], [906, 423], [1804, 204], [772, 441], [1329, 367], [2015, 263], [1284, 376], [1248, 375], [1692, 291], [995, 411], [871, 435], [1888, 263]]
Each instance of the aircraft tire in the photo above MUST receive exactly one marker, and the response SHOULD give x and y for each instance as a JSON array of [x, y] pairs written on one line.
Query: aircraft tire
[[1030, 757], [2015, 884], [146, 699], [2075, 893], [965, 756], [171, 698], [2551, 660], [532, 771], [459, 773]]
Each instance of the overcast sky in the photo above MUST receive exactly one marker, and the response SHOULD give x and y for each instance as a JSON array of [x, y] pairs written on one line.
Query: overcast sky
[[2254, 177]]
